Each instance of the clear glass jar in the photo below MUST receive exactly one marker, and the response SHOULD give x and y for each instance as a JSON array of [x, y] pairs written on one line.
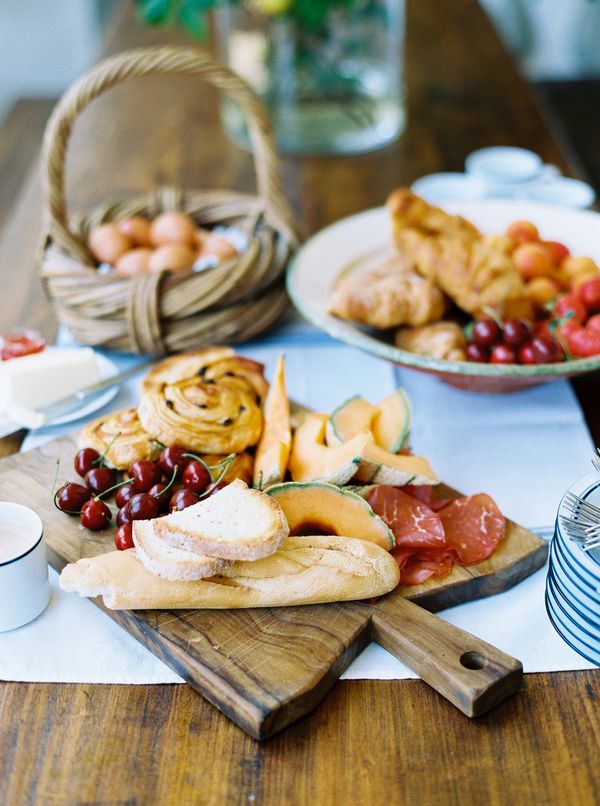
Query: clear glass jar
[[332, 88]]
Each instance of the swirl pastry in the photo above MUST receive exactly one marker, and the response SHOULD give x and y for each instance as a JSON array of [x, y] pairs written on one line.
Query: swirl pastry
[[123, 431], [207, 400]]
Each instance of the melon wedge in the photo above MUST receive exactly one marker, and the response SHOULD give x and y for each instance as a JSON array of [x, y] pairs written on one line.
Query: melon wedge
[[312, 460], [379, 466], [319, 508], [273, 450], [388, 421]]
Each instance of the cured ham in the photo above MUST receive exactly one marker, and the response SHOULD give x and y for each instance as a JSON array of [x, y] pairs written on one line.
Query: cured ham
[[464, 530]]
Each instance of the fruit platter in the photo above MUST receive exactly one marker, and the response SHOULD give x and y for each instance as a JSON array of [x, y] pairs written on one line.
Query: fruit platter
[[496, 296]]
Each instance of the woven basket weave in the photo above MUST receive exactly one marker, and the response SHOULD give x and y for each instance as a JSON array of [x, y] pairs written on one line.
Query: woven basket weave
[[165, 312]]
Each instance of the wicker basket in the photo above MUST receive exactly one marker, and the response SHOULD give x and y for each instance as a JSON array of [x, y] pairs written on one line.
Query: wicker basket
[[165, 312]]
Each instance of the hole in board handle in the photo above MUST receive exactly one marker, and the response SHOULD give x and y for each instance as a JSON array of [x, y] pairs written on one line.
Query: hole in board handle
[[473, 660]]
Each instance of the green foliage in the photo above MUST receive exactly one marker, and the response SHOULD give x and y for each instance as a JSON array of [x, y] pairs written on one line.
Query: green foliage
[[191, 15]]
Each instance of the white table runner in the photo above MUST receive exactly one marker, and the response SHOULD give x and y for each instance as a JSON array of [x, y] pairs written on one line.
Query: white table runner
[[525, 449]]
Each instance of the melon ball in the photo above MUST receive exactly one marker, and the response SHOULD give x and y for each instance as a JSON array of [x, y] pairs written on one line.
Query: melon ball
[[173, 257], [107, 244], [137, 229], [172, 228], [136, 261]]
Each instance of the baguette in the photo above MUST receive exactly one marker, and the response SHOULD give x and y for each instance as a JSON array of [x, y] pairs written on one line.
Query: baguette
[[169, 562], [305, 570], [236, 523]]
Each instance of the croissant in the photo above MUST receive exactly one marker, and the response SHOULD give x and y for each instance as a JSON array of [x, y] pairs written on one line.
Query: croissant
[[387, 295], [474, 270], [441, 340], [207, 400], [122, 436]]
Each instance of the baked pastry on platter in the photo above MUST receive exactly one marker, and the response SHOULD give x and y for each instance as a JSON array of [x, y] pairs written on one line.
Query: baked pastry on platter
[[207, 400], [444, 340], [122, 436], [388, 294], [474, 270]]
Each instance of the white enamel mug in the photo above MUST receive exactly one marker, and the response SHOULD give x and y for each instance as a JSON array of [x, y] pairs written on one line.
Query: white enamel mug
[[24, 586]]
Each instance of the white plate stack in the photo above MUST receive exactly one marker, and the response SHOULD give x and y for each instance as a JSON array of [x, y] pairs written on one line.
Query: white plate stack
[[573, 584]]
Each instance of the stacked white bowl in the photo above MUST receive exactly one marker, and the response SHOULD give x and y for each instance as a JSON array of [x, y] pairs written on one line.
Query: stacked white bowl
[[573, 583]]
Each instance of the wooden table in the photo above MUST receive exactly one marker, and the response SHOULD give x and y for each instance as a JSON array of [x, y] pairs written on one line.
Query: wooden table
[[369, 742]]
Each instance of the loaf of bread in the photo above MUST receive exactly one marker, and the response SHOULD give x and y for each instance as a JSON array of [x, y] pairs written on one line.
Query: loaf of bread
[[305, 570]]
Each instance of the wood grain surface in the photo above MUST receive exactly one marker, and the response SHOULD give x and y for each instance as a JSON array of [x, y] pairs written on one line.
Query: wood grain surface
[[265, 668], [369, 741]]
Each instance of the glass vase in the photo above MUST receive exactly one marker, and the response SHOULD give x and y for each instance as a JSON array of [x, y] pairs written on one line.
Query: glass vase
[[333, 86]]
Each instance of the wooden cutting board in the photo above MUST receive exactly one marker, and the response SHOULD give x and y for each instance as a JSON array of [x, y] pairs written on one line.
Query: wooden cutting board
[[265, 668]]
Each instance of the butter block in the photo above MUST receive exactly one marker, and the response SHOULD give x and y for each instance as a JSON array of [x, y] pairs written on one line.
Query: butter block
[[43, 378]]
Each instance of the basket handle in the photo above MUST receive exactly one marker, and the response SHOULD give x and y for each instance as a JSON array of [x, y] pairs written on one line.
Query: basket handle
[[144, 62]]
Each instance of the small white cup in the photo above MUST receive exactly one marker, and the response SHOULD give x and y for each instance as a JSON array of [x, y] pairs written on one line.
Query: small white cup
[[24, 586]]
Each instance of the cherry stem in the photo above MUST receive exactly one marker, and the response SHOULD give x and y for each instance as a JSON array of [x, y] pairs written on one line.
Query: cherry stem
[[56, 479], [114, 487], [208, 468], [173, 477], [226, 463], [101, 458]]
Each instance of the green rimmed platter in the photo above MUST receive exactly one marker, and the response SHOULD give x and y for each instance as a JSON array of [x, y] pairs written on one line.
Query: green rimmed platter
[[367, 235]]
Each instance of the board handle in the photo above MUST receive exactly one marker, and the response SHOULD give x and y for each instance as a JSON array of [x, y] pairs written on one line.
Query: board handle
[[472, 674]]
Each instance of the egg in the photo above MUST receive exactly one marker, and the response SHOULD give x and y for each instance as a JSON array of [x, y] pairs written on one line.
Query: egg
[[137, 229], [107, 244], [214, 245], [173, 256], [172, 228], [136, 261]]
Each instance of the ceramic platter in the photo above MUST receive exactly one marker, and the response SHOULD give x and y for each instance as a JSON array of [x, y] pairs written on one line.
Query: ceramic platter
[[366, 237]]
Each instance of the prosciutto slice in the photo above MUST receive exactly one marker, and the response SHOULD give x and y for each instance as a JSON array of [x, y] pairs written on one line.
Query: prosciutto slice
[[413, 523], [473, 526]]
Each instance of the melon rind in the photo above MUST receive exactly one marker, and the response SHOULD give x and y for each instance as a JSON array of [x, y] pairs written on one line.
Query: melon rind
[[382, 467], [391, 424], [339, 509]]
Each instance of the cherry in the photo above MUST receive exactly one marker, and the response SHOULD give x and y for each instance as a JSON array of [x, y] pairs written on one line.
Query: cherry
[[545, 350], [476, 352], [486, 332], [99, 479], [183, 499], [503, 354], [173, 457], [71, 497], [124, 537], [85, 460], [526, 355], [160, 492], [196, 476], [124, 494], [516, 331], [144, 474], [142, 507], [123, 516], [95, 515]]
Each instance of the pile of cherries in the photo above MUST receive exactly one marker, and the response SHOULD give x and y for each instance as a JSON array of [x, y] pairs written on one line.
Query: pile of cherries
[[512, 342], [151, 489]]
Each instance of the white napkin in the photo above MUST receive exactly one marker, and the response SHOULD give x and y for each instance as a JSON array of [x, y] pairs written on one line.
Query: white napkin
[[525, 449]]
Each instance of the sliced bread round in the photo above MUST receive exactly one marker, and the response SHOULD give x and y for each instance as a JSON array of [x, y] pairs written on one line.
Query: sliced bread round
[[170, 562]]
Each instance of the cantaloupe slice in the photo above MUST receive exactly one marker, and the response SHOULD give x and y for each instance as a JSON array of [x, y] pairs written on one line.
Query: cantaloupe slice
[[312, 460], [388, 421], [319, 508], [379, 466], [273, 450]]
